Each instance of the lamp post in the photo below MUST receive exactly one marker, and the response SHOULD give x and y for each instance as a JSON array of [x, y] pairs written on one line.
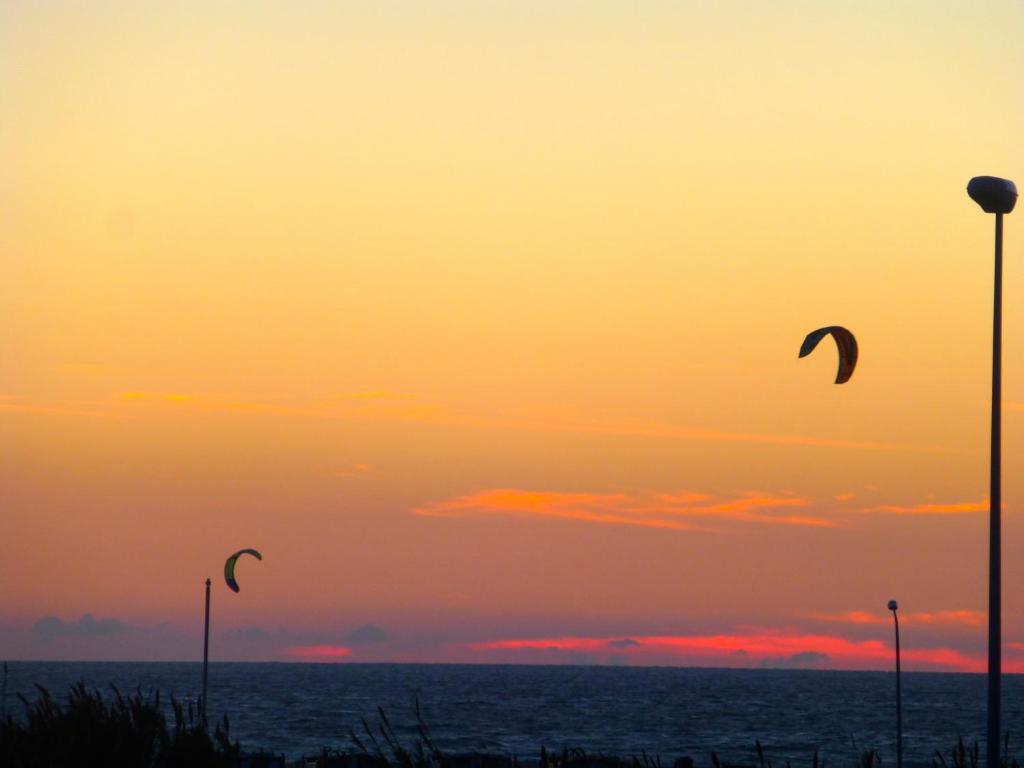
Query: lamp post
[[899, 699], [997, 196], [206, 654]]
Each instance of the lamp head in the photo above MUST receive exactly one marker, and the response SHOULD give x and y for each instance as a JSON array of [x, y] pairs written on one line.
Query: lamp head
[[892, 605], [993, 194]]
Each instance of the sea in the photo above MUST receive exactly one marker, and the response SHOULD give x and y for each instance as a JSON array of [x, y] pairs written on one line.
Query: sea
[[661, 712]]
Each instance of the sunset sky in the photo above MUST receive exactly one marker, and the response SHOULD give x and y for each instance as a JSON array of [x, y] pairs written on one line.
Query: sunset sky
[[480, 320]]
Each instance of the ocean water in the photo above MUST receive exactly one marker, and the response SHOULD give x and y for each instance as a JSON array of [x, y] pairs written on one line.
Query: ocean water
[[299, 709]]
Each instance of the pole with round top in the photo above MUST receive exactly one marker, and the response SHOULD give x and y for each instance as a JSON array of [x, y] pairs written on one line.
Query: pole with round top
[[998, 196], [899, 698], [206, 654]]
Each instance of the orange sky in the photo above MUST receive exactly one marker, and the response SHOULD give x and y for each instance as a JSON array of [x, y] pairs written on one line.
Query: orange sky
[[480, 321]]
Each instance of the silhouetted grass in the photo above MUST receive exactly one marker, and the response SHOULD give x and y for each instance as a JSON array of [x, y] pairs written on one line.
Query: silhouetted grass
[[960, 756], [129, 731]]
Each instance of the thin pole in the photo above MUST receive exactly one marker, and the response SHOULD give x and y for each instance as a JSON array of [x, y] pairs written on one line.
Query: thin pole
[[995, 509], [899, 698], [206, 653]]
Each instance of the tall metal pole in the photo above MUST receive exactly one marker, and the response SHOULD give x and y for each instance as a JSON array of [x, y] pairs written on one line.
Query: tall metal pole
[[206, 653], [899, 692], [998, 196], [995, 604]]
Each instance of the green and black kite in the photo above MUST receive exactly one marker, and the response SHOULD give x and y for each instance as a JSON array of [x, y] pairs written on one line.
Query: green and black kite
[[229, 566]]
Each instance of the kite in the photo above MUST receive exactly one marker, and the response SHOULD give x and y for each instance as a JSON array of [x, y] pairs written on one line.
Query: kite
[[229, 566], [846, 343]]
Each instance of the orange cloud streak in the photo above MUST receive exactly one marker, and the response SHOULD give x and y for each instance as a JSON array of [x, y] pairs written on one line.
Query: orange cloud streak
[[9, 405], [959, 508], [852, 617], [655, 510], [675, 432], [969, 618], [419, 411], [375, 405]]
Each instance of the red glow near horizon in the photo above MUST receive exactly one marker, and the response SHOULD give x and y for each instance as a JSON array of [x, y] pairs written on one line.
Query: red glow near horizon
[[751, 649], [318, 653]]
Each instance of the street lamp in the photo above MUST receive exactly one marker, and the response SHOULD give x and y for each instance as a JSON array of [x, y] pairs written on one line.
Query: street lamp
[[997, 196], [206, 654], [899, 701]]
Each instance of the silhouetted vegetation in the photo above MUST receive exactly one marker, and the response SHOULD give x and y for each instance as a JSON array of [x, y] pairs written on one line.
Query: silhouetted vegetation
[[128, 731], [388, 749], [960, 756]]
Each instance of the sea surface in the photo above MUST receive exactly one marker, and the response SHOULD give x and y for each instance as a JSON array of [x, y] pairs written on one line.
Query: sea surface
[[299, 709]]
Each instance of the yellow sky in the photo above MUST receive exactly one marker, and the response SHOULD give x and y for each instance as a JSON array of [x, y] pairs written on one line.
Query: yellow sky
[[480, 320]]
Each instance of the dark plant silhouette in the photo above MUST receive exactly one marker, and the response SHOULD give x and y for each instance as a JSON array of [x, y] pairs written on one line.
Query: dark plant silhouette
[[122, 731], [962, 756]]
